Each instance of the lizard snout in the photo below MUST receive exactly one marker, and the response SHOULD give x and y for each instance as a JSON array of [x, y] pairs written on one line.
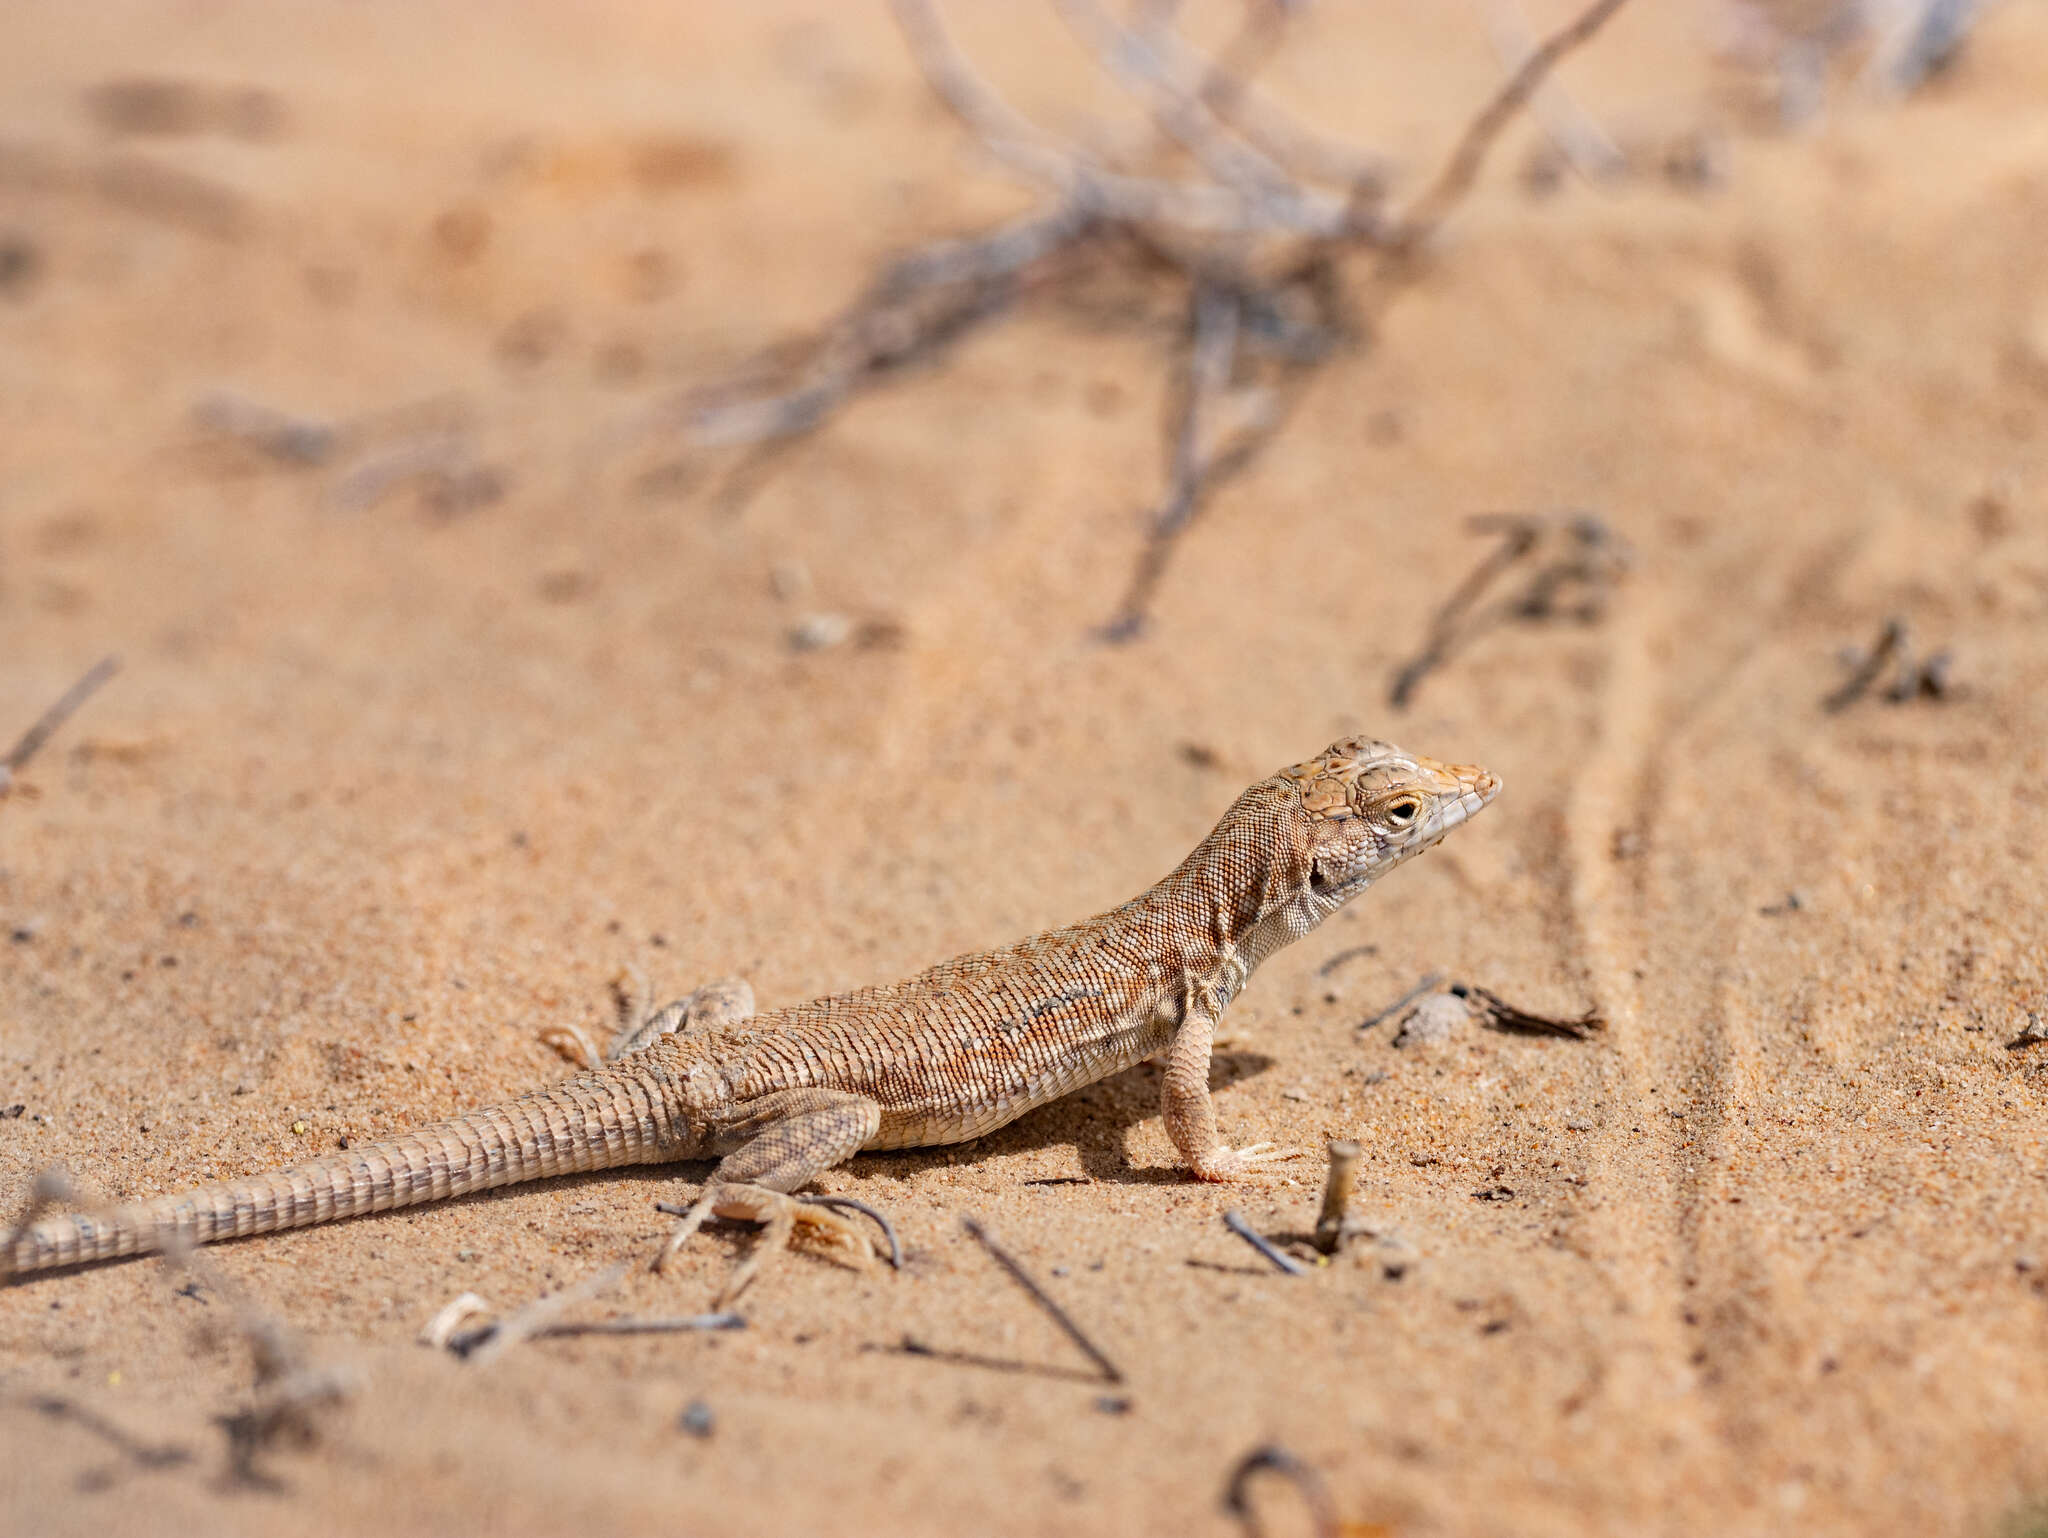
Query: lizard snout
[[1475, 781]]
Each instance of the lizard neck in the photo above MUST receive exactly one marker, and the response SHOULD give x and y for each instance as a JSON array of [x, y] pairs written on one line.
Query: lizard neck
[[1240, 896]]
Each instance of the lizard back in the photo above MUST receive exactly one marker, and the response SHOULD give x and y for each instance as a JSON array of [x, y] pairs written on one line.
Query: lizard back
[[975, 1042]]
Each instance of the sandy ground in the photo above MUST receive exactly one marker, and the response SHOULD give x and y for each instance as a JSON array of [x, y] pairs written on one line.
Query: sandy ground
[[394, 776]]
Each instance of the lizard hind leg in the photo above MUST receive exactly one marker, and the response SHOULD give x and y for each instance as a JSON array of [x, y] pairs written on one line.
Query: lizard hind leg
[[725, 1002], [783, 1140]]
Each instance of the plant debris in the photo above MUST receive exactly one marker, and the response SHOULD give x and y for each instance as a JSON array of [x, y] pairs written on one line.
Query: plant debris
[[1576, 563], [1496, 1013], [45, 725], [1253, 234]]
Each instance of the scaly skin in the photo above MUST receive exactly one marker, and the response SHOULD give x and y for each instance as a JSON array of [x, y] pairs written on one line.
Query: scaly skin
[[943, 1057]]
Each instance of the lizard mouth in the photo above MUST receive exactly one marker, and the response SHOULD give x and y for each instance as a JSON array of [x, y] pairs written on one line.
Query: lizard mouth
[[1476, 787]]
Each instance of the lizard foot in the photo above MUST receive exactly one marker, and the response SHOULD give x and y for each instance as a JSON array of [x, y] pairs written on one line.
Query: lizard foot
[[573, 1043], [787, 1221], [1226, 1165]]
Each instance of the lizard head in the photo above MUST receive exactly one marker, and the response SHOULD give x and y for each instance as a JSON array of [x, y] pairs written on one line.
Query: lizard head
[[1370, 806]]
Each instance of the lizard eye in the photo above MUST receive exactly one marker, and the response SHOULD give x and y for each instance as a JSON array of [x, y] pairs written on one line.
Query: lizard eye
[[1401, 813]]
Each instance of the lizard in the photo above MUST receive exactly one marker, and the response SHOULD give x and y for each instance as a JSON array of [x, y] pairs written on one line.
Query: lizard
[[940, 1058]]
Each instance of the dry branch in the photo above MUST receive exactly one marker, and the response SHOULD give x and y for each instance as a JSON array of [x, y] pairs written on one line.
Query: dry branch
[[1578, 139], [1255, 229], [1223, 85], [1430, 210], [1581, 562]]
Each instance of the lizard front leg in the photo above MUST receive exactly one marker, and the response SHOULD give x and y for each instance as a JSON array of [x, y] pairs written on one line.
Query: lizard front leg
[[1191, 1117], [790, 1137]]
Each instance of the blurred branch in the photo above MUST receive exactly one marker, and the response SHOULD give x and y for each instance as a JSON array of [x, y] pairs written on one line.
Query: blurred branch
[[45, 726], [1586, 147], [1257, 246], [1462, 169]]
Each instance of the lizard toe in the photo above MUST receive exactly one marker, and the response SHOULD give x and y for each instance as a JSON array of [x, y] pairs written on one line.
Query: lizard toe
[[1242, 1165], [830, 1234]]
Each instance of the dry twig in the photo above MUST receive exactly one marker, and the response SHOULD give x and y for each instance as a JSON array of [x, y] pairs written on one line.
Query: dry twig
[[1177, 107], [1586, 561], [1497, 1014], [1577, 138], [1274, 1459], [292, 1393], [1891, 638], [540, 1317], [1433, 980], [464, 1325], [677, 1325], [1329, 1233], [1111, 1373], [46, 725], [1224, 86], [1277, 1257], [1345, 957], [1429, 211], [301, 442], [142, 1454], [1912, 677]]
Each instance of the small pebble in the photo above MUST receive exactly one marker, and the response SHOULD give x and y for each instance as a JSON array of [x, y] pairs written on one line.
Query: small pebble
[[817, 632], [1395, 1256], [1433, 1019], [697, 1419]]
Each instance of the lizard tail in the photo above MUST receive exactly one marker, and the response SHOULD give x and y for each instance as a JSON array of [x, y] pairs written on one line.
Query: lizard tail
[[615, 1116]]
